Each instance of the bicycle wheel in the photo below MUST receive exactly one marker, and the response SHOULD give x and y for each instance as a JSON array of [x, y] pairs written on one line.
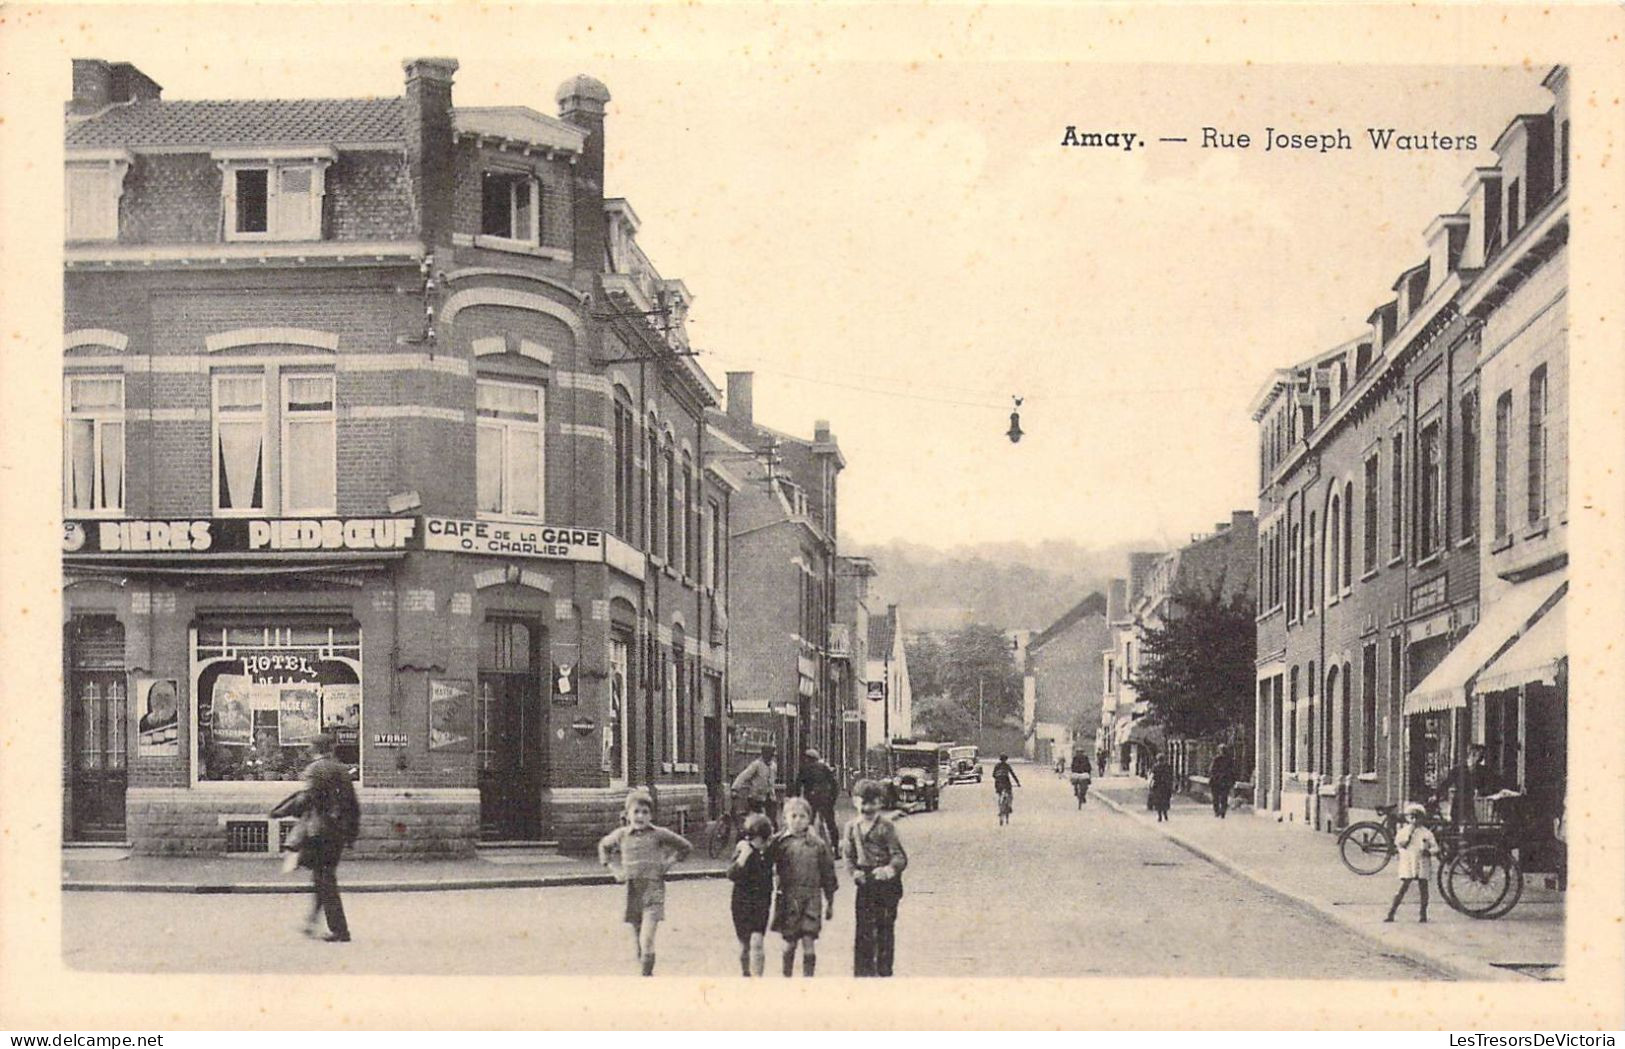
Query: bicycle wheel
[[1366, 847], [1514, 888], [1479, 879], [723, 834]]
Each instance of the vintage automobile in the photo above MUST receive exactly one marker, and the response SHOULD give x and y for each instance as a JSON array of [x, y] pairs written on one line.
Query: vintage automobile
[[963, 766], [916, 780]]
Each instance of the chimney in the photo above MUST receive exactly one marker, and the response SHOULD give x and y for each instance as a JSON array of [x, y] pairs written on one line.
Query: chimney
[[1116, 600], [132, 85], [821, 431], [740, 408], [582, 101], [92, 85], [429, 144]]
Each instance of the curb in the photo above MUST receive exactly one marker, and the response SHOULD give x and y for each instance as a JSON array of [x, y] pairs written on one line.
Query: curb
[[541, 881], [1454, 967]]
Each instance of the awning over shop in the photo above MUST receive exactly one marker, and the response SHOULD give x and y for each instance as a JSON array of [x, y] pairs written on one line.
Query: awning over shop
[[1147, 734], [1534, 658], [1499, 624]]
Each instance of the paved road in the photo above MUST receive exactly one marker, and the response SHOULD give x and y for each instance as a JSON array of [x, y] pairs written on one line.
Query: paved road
[[1057, 893]]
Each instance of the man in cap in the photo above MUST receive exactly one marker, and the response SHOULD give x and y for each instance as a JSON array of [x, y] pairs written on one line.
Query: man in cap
[[816, 782]]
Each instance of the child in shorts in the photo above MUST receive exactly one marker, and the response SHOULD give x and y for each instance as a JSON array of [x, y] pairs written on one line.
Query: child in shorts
[[805, 865], [645, 852], [752, 875]]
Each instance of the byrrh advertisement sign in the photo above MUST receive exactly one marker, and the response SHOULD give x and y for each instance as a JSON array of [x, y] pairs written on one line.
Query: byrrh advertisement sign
[[514, 540], [238, 535]]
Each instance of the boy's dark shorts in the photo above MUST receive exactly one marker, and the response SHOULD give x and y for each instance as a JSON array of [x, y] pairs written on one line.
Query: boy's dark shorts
[[645, 898], [795, 918], [750, 917]]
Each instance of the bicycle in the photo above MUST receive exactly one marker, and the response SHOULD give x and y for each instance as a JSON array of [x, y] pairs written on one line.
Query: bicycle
[[1367, 847], [729, 828], [1080, 788]]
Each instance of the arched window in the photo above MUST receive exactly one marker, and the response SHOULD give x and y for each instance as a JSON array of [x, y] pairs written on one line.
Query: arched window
[[1309, 720], [1326, 722], [1348, 535], [1334, 557]]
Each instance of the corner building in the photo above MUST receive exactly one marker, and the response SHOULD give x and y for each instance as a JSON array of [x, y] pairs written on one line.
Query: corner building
[[378, 423]]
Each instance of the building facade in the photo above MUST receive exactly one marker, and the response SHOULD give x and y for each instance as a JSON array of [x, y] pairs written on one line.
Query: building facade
[[377, 424], [888, 712], [1388, 493], [783, 526], [1063, 664], [849, 649]]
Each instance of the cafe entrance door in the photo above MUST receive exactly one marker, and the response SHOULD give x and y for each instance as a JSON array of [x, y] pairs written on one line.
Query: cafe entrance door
[[512, 730]]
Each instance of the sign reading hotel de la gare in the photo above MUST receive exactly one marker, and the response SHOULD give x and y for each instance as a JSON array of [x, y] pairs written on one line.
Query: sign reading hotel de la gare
[[275, 536]]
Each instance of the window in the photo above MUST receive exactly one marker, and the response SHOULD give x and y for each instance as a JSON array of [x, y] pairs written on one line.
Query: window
[[509, 448], [713, 544], [677, 685], [651, 506], [1469, 466], [510, 206], [1430, 491], [1293, 582], [1503, 438], [1369, 545], [1292, 724], [1311, 597], [1348, 535], [1512, 210], [1368, 710], [625, 479], [93, 478], [309, 445], [274, 201], [1563, 155], [239, 443], [1345, 722], [1334, 559], [668, 483], [687, 504], [1396, 670], [1326, 722], [92, 197], [1396, 537], [1537, 444], [1309, 722]]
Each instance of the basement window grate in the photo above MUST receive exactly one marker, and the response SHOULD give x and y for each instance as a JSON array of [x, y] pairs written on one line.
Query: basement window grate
[[248, 836]]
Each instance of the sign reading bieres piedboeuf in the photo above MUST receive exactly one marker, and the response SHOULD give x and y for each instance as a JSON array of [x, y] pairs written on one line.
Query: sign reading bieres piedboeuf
[[238, 535], [517, 540]]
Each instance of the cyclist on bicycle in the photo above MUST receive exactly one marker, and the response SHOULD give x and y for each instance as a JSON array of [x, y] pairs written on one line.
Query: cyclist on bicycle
[[1003, 776], [1082, 773]]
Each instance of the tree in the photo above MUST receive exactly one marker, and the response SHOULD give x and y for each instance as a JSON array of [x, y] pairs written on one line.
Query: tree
[[942, 718], [1197, 670], [927, 663]]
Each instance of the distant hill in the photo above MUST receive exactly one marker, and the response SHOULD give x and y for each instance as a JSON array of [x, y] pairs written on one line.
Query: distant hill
[[1009, 585]]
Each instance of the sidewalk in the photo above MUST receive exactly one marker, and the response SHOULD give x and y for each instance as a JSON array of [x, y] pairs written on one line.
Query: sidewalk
[[216, 874], [1303, 866]]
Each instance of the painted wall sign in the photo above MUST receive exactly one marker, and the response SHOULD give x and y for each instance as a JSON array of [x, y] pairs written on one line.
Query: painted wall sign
[[158, 700], [877, 691], [1428, 595], [513, 540], [389, 739], [237, 535], [564, 683]]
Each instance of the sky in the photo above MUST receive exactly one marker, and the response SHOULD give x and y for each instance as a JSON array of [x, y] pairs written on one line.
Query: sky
[[900, 246]]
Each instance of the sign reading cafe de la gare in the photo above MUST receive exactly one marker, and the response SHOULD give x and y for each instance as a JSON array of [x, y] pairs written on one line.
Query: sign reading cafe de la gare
[[521, 540]]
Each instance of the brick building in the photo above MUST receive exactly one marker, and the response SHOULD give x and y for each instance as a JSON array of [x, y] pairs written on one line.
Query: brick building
[[849, 648], [1063, 664], [377, 423], [1378, 487], [786, 685]]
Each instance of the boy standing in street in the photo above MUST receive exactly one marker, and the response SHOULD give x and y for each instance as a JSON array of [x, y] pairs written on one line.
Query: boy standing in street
[[752, 875], [805, 865], [875, 858], [646, 852]]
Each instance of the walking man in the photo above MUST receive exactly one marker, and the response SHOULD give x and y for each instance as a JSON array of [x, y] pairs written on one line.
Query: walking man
[[816, 783], [1221, 779], [332, 821]]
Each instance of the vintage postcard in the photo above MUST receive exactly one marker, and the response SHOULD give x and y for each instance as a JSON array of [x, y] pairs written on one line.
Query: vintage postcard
[[1101, 516]]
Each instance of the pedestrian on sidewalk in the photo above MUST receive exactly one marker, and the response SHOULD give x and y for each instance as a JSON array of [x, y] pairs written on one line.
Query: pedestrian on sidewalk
[[752, 875], [805, 865], [1416, 848], [875, 859], [331, 821], [644, 853], [1003, 776], [816, 782], [1221, 779], [1161, 794]]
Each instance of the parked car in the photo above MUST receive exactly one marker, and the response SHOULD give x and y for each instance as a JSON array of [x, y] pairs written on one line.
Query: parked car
[[963, 765], [916, 780]]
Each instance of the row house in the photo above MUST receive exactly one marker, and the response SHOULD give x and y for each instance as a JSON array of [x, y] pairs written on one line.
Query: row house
[[849, 651], [377, 423], [786, 683], [1126, 740], [888, 712], [1411, 507], [1061, 674]]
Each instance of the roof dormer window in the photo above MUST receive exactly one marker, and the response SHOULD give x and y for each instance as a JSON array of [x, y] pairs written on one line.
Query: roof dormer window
[[510, 206], [273, 197], [95, 183]]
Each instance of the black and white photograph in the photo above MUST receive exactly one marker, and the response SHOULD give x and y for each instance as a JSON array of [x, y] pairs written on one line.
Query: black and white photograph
[[563, 492]]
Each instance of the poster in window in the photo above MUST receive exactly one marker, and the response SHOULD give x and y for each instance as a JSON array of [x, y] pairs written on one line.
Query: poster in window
[[341, 713], [298, 714], [233, 710], [451, 716], [158, 700]]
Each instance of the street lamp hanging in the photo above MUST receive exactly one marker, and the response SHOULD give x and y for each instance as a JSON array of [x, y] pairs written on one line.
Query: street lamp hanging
[[1015, 423]]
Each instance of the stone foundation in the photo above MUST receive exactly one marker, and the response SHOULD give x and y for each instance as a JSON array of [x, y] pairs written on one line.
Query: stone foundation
[[582, 815]]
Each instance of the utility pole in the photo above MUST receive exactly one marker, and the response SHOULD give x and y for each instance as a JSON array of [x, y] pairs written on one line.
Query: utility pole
[[981, 727]]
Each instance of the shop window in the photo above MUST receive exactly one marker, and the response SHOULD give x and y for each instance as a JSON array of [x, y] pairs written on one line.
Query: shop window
[[613, 755], [274, 201], [509, 449], [1537, 444], [263, 690], [93, 482], [510, 206]]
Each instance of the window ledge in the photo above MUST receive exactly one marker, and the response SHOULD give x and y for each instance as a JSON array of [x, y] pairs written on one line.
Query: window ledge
[[1431, 559], [1466, 541], [1367, 777], [1504, 543], [1370, 573], [1396, 559], [1538, 529], [513, 247], [534, 522]]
